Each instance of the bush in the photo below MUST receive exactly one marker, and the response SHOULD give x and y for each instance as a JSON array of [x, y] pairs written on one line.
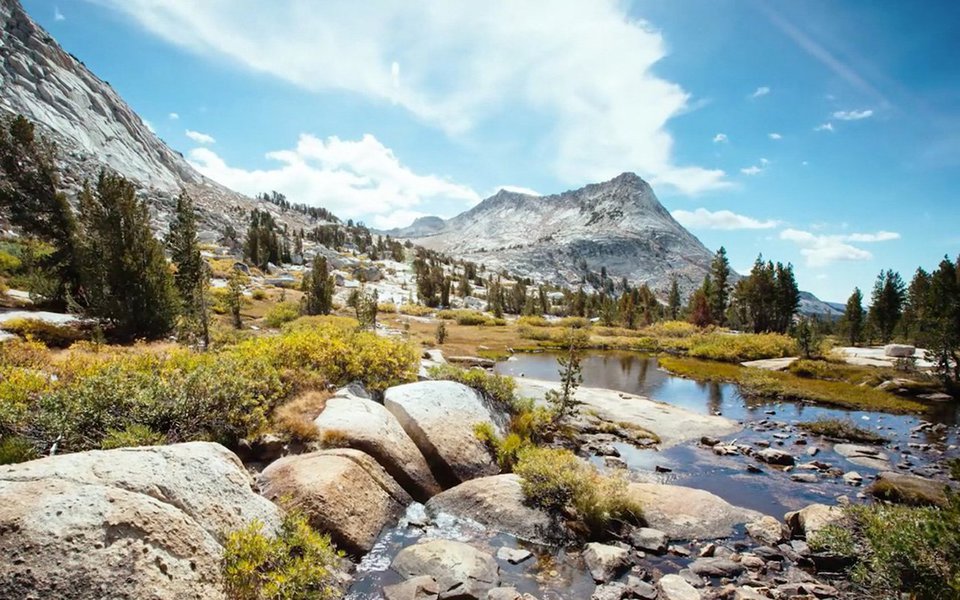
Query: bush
[[131, 436], [296, 564], [573, 322], [415, 310], [282, 313], [469, 317], [899, 549], [741, 347], [500, 390], [295, 418], [672, 329], [386, 307], [556, 481], [15, 449], [534, 321], [259, 294], [50, 334], [842, 429]]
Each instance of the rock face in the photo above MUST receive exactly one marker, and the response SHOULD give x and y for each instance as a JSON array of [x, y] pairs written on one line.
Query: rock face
[[129, 523], [343, 492], [460, 570], [497, 502], [440, 417], [688, 513], [618, 224], [371, 428]]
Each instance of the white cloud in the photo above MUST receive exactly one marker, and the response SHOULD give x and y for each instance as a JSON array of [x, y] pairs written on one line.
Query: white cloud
[[828, 126], [852, 115], [57, 15], [721, 219], [585, 69], [752, 170], [760, 91], [360, 179], [149, 126], [821, 250], [173, 116], [775, 136], [200, 138], [720, 138]]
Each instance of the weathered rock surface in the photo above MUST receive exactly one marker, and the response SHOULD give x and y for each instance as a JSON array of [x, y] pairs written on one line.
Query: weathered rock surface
[[129, 523], [908, 489], [809, 520], [649, 539], [497, 502], [899, 350], [675, 587], [604, 561], [772, 456], [461, 571], [716, 567], [440, 416], [343, 492], [371, 428], [865, 456], [766, 530], [423, 587], [688, 513]]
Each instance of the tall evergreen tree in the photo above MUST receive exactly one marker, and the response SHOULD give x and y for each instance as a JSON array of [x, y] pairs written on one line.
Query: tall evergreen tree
[[700, 309], [853, 317], [190, 278], [944, 313], [30, 198], [674, 301], [235, 284], [787, 297], [886, 303], [720, 291], [126, 278], [318, 288]]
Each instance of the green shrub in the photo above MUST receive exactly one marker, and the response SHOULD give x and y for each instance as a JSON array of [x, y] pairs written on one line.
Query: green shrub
[[50, 334], [899, 549], [9, 263], [415, 310], [386, 307], [15, 449], [573, 322], [556, 481], [131, 436], [296, 564], [741, 347], [500, 390], [842, 429], [672, 329], [282, 313], [534, 321], [259, 294]]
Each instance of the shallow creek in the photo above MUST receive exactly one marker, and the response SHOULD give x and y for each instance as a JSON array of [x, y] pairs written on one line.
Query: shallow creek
[[551, 574]]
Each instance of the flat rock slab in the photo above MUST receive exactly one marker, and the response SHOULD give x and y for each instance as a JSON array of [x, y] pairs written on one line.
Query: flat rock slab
[[460, 570], [687, 513], [675, 587], [865, 456], [672, 424], [771, 364], [497, 502]]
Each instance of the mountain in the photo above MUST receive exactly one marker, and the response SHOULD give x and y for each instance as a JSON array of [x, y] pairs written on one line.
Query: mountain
[[813, 306], [94, 128], [618, 225]]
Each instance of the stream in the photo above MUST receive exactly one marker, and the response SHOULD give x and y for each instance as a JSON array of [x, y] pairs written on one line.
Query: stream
[[550, 574]]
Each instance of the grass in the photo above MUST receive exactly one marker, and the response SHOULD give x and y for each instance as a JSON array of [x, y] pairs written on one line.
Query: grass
[[628, 431], [787, 386], [295, 418], [842, 429], [834, 370]]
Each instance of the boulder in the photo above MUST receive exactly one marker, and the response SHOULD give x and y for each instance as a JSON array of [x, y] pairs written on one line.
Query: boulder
[[716, 567], [204, 480], [367, 426], [461, 571], [440, 417], [504, 593], [649, 539], [604, 562], [766, 530], [899, 350], [514, 556], [811, 519], [908, 489], [772, 456], [423, 587], [865, 456], [343, 492], [688, 513], [675, 587], [497, 502]]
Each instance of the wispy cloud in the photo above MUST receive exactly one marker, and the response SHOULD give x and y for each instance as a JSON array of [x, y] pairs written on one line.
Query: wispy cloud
[[720, 138], [774, 136], [149, 126], [852, 115], [755, 169], [57, 15], [828, 126], [720, 219], [821, 250], [200, 138], [760, 91], [173, 116]]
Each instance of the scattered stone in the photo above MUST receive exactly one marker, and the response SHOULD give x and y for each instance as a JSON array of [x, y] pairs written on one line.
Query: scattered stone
[[688, 513], [865, 456], [748, 593], [716, 567], [804, 477], [649, 539], [752, 468], [678, 550], [766, 530], [812, 451], [662, 469], [504, 593], [605, 561], [709, 441], [674, 587], [640, 589], [811, 519], [514, 556], [615, 462], [461, 571], [610, 591], [852, 478], [754, 563], [708, 550], [773, 456], [423, 587]]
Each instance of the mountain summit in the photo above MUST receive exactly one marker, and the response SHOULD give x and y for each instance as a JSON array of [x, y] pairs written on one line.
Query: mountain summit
[[618, 225]]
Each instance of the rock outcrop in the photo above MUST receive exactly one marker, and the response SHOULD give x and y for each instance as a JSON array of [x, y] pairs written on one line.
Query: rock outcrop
[[368, 426], [460, 570], [440, 417], [343, 492], [688, 513]]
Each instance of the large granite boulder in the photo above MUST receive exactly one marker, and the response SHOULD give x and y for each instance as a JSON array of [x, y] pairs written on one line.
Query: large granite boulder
[[367, 426], [909, 489], [497, 502], [127, 524], [460, 570], [808, 521], [343, 492], [688, 513], [440, 417]]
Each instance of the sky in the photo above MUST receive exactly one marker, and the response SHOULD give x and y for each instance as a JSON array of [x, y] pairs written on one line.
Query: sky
[[821, 133]]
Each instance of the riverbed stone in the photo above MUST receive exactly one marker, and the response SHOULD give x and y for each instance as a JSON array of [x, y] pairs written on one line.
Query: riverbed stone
[[423, 587], [343, 492], [514, 556], [688, 513], [440, 418], [675, 587], [716, 567], [766, 530], [369, 427], [499, 503], [649, 539], [604, 561], [865, 456], [772, 456], [461, 571], [908, 489], [809, 520]]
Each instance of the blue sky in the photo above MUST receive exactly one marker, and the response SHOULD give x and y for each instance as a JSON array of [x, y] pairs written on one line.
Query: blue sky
[[822, 133]]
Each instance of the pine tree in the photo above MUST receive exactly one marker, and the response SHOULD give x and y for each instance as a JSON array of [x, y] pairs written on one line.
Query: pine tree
[[853, 317], [190, 278], [700, 309], [563, 401], [886, 303], [318, 288], [30, 198], [720, 291], [235, 284], [786, 297], [944, 313], [126, 278], [674, 302]]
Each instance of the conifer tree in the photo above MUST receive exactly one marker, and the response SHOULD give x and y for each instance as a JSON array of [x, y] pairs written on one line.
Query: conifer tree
[[886, 303], [318, 288], [719, 293], [190, 278], [700, 309], [853, 317], [674, 302], [126, 278], [235, 284]]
